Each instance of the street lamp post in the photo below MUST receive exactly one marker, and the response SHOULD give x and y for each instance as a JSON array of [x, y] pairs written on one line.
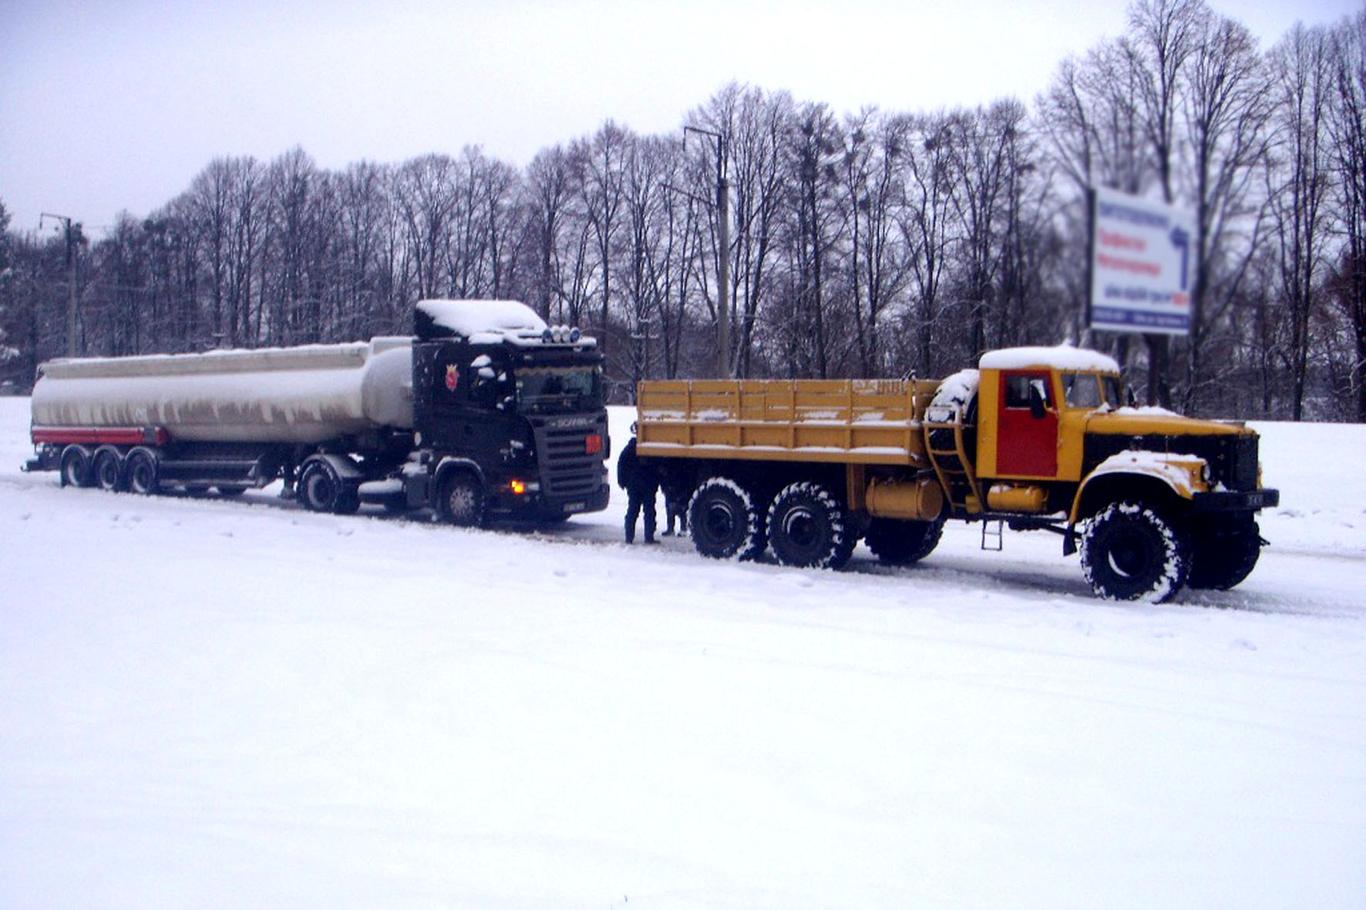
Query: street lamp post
[[72, 231]]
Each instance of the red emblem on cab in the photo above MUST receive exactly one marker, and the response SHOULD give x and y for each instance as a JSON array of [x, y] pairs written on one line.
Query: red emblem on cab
[[452, 377]]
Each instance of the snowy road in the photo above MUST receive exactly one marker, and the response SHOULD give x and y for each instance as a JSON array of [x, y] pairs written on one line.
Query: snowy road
[[227, 704]]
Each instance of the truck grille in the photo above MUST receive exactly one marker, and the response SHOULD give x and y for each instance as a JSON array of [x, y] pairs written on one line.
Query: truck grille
[[567, 468], [1232, 460]]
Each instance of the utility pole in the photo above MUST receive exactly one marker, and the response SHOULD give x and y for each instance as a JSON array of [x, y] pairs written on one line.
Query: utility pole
[[723, 268], [73, 232]]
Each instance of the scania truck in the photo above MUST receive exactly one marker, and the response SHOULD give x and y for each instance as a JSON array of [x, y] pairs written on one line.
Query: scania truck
[[485, 412]]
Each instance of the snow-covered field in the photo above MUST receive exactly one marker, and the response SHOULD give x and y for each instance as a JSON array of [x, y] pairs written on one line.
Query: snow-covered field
[[207, 703]]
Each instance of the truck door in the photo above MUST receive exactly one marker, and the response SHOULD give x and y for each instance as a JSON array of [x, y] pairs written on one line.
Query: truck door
[[1027, 425]]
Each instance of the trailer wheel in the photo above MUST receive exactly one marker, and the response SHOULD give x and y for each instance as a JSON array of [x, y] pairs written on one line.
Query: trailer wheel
[[462, 500], [108, 470], [75, 467], [724, 521], [320, 489], [1224, 554], [141, 469], [808, 528], [1130, 551], [900, 543]]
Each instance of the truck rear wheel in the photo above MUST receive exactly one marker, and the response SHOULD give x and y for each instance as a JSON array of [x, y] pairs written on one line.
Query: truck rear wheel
[[1130, 551], [724, 521], [808, 528], [900, 543], [462, 500], [141, 468], [108, 470], [75, 467], [1224, 554]]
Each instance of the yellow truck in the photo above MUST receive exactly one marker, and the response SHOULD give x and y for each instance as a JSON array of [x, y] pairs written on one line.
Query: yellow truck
[[1033, 439]]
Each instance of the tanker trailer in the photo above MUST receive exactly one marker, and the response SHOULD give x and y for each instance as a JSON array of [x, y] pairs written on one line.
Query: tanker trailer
[[486, 411]]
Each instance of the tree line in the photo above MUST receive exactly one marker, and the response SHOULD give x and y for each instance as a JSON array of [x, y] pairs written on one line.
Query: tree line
[[871, 243]]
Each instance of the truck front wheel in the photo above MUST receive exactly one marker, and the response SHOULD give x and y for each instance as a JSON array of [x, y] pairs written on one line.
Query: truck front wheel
[[724, 521], [900, 543], [808, 528], [1130, 551], [321, 490], [462, 500]]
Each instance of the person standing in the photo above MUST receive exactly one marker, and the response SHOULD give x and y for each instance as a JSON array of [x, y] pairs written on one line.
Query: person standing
[[640, 480], [675, 506]]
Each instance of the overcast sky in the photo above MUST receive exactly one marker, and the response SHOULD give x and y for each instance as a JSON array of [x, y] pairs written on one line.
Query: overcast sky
[[107, 106]]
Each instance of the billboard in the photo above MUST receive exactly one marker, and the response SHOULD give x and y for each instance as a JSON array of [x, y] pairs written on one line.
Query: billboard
[[1142, 265]]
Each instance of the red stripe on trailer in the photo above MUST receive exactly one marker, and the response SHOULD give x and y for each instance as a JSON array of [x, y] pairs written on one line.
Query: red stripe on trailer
[[118, 436]]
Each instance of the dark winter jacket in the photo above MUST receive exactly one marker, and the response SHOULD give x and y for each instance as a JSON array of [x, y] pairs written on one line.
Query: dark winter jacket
[[639, 478]]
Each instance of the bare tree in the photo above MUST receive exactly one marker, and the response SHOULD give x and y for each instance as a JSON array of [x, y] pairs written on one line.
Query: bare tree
[[425, 198], [1347, 123], [980, 164], [1226, 112], [814, 146], [925, 230], [364, 206], [872, 172], [601, 160], [1300, 188], [548, 188], [1091, 119]]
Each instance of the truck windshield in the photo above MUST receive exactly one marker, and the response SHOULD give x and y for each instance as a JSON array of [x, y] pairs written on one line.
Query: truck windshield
[[1081, 389], [546, 389], [1110, 386], [1089, 390]]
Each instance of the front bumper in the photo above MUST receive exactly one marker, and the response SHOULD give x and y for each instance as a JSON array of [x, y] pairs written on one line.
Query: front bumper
[[538, 505], [1247, 501]]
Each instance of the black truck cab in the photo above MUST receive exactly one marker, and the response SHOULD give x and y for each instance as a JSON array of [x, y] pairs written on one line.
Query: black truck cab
[[509, 412]]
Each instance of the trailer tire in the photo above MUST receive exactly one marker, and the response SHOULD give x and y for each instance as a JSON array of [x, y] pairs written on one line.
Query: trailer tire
[[461, 502], [724, 521], [141, 471], [900, 543], [107, 470], [1131, 551], [75, 467], [1225, 554], [808, 528]]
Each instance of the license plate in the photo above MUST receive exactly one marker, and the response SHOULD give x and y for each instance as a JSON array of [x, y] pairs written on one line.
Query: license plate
[[575, 506]]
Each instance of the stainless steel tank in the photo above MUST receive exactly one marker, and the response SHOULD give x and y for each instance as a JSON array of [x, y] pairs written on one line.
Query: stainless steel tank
[[301, 395]]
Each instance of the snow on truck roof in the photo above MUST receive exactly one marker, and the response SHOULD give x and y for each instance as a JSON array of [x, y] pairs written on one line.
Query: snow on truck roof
[[476, 319], [1062, 357]]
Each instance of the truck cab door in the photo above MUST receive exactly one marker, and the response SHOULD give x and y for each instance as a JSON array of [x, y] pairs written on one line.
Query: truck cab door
[[1027, 425]]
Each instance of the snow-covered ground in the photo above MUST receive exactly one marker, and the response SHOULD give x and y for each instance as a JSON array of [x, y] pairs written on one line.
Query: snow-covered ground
[[207, 703]]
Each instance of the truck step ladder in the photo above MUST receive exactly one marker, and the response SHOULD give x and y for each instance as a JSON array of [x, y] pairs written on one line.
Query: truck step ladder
[[993, 532], [952, 465]]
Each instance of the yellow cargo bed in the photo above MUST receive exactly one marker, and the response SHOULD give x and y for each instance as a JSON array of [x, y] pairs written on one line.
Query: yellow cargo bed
[[839, 421]]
